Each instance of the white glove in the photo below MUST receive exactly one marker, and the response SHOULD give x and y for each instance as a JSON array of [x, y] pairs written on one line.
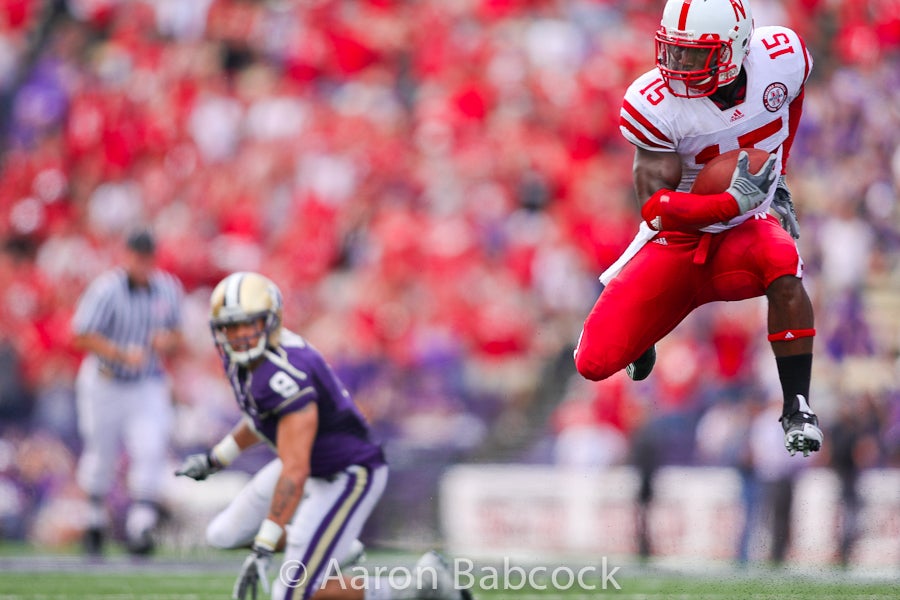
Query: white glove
[[784, 208], [750, 189], [253, 571], [198, 466]]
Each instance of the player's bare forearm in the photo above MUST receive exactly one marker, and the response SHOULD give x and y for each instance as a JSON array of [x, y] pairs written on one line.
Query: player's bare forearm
[[244, 434], [296, 433], [287, 496], [654, 171]]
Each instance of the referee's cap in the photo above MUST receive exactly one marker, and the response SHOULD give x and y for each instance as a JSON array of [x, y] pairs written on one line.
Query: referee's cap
[[141, 241]]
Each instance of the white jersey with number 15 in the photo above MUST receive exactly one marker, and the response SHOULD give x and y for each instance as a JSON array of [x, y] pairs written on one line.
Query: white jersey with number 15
[[777, 65]]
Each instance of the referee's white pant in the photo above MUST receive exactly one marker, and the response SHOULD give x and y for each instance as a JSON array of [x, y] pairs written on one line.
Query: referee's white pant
[[112, 413], [321, 534]]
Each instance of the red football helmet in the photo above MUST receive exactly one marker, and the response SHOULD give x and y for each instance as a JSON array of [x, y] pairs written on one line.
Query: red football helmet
[[701, 44]]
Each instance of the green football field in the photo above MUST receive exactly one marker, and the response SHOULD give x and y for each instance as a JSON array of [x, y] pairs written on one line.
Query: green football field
[[211, 576], [202, 586]]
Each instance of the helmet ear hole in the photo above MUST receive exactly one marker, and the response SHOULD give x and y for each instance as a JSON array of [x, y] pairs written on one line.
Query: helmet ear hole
[[725, 57]]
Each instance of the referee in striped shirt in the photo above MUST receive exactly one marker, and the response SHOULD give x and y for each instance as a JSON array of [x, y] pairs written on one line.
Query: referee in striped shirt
[[127, 321]]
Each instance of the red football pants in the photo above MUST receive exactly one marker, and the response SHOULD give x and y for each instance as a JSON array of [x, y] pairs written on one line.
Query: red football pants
[[672, 275]]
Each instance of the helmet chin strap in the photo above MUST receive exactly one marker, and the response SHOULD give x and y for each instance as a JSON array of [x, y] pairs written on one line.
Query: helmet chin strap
[[696, 89], [244, 357]]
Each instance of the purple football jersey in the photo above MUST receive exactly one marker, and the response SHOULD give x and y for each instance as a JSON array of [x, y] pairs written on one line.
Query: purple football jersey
[[287, 380]]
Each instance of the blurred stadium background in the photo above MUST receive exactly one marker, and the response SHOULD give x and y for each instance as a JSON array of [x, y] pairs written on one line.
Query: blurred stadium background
[[436, 184]]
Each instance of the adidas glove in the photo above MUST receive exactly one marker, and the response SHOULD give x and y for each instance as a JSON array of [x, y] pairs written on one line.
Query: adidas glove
[[256, 566], [201, 466], [784, 208], [254, 572], [750, 189], [198, 466]]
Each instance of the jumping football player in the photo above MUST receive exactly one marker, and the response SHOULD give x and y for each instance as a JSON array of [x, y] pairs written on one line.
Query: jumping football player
[[718, 85]]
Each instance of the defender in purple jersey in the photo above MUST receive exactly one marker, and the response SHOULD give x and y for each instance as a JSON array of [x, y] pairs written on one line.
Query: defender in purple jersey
[[315, 497]]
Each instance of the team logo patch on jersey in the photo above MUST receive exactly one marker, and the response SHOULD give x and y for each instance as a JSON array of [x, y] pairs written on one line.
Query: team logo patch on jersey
[[775, 96]]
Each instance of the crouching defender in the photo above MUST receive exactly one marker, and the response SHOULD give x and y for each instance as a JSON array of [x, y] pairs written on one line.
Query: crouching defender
[[315, 497]]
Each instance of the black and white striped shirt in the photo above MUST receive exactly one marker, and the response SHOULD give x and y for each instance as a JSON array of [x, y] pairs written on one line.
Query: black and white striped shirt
[[130, 316]]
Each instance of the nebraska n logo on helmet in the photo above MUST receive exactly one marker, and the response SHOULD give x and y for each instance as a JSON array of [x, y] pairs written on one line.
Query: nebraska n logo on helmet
[[245, 316], [700, 44]]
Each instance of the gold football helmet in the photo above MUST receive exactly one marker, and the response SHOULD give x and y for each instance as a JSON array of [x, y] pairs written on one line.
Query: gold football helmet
[[245, 316]]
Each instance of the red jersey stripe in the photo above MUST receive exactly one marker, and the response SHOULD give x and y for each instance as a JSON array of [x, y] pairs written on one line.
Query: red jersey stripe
[[794, 112], [637, 116], [623, 122], [805, 59]]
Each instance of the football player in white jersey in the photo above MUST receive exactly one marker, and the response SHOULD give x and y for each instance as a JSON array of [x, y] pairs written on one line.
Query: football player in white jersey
[[718, 85]]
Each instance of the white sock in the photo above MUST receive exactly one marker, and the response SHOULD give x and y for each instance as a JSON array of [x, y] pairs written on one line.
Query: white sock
[[96, 516], [377, 588], [383, 588], [141, 517]]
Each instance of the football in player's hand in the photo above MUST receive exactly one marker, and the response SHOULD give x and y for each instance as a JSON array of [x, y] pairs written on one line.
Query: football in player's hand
[[715, 176]]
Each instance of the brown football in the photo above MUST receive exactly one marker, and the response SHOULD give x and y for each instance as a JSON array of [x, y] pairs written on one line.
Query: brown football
[[715, 176]]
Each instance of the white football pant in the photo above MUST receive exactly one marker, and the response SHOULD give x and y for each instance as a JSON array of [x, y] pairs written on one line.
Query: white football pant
[[323, 533]]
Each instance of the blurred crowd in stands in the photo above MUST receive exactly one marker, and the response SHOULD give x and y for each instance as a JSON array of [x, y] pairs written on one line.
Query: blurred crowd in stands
[[435, 185]]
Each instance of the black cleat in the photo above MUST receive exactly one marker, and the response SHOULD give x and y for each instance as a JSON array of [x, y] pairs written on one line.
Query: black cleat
[[143, 545], [437, 580], [92, 542], [801, 430], [641, 368]]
